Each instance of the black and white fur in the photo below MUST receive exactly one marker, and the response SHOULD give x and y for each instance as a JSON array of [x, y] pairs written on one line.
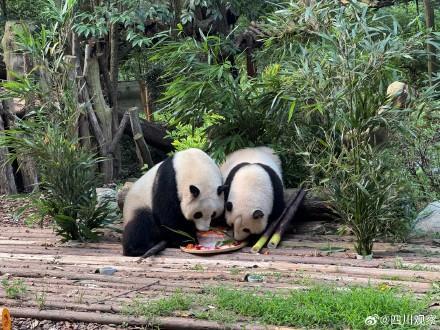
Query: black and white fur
[[182, 193], [254, 190]]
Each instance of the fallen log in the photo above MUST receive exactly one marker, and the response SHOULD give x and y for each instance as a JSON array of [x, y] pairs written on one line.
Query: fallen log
[[154, 134], [103, 318]]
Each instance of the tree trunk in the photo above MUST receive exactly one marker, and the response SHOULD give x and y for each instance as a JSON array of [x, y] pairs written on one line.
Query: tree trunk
[[113, 92], [430, 24], [7, 180], [144, 99], [103, 112], [16, 63], [4, 9]]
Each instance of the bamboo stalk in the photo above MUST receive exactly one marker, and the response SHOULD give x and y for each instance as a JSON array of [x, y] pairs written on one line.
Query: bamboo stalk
[[285, 221], [270, 230]]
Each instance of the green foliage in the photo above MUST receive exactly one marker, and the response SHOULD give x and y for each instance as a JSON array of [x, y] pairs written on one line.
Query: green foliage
[[24, 9], [160, 307], [14, 289], [318, 307], [67, 171], [186, 136], [201, 84], [132, 15], [319, 99], [67, 179], [419, 147]]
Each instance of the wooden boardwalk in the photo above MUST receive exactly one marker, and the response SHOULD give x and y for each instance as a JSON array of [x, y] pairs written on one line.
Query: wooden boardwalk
[[66, 273]]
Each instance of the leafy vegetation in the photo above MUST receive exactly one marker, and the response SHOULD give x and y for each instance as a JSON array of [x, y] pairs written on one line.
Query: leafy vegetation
[[15, 288], [318, 307], [66, 168], [321, 101], [309, 80]]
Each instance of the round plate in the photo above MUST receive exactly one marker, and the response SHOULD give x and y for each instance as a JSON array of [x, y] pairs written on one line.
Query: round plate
[[210, 239], [221, 249]]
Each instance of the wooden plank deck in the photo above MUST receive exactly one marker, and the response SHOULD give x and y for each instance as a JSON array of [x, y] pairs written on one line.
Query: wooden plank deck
[[66, 273]]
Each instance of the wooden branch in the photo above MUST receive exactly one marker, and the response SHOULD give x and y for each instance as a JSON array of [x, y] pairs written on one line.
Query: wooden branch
[[142, 147], [87, 54], [286, 219], [126, 292], [119, 132], [144, 99], [95, 124]]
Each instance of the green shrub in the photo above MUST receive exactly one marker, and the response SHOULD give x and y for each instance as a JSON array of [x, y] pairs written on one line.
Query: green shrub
[[67, 178]]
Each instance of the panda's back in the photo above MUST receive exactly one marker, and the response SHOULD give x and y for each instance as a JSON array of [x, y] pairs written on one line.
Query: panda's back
[[140, 195], [261, 155]]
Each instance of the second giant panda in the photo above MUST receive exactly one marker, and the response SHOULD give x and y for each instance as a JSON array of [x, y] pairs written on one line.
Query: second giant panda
[[181, 194], [254, 190]]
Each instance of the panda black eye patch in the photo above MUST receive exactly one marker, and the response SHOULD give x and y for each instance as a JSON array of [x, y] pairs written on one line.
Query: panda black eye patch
[[194, 190], [229, 206], [213, 215], [198, 215], [246, 230]]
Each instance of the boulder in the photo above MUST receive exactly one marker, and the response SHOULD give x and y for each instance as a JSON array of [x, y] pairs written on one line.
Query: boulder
[[428, 221], [108, 195]]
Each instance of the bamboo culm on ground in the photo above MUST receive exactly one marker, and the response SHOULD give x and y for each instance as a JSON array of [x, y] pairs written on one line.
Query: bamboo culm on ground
[[285, 221], [270, 230]]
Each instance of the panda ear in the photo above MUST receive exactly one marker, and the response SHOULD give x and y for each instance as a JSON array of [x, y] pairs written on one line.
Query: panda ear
[[257, 214], [194, 191], [221, 189]]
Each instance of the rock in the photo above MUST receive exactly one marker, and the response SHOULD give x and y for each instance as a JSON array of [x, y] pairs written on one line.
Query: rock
[[108, 195], [428, 221], [107, 270]]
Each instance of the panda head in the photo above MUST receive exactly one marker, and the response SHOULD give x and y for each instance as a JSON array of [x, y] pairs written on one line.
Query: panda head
[[246, 221], [203, 204], [249, 201]]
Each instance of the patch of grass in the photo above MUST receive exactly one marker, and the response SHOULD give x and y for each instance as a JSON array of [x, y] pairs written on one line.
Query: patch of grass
[[198, 268], [398, 264], [235, 271], [14, 289], [160, 307], [40, 299], [79, 297], [319, 307]]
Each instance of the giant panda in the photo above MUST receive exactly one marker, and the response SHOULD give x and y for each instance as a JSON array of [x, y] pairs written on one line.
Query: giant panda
[[181, 194], [254, 190]]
